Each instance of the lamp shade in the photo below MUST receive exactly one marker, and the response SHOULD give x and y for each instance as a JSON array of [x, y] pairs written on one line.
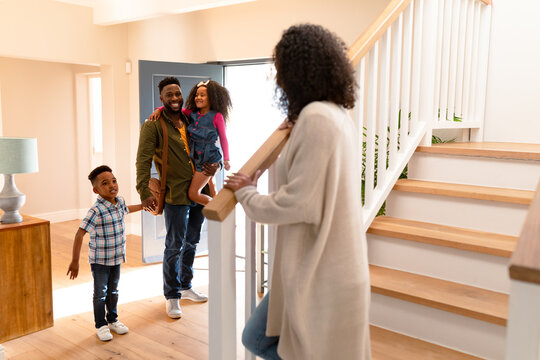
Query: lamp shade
[[18, 155]]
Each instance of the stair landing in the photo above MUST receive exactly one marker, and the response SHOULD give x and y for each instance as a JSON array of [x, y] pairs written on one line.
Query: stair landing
[[486, 149]]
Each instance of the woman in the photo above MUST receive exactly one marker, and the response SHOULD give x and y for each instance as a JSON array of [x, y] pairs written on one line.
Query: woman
[[317, 307]]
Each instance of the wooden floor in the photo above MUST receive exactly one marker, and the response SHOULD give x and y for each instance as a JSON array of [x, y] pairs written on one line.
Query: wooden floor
[[152, 334], [141, 307]]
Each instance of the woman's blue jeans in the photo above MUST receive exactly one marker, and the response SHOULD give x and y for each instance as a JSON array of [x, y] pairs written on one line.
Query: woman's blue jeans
[[183, 224], [254, 336], [106, 280]]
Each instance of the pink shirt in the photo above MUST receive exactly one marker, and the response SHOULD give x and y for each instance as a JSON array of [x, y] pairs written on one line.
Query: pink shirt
[[219, 124]]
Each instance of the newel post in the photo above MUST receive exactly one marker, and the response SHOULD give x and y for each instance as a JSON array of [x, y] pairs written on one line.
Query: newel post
[[222, 291]]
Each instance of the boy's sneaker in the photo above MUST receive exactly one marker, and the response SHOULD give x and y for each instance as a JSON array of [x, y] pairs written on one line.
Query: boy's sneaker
[[118, 328], [193, 295], [173, 308], [104, 334]]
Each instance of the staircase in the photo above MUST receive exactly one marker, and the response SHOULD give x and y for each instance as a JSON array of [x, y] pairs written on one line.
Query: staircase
[[439, 258]]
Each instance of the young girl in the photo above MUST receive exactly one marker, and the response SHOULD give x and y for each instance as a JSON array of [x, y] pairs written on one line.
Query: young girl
[[207, 106]]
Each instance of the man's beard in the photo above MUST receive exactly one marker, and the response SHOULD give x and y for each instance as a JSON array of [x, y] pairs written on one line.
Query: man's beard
[[169, 110]]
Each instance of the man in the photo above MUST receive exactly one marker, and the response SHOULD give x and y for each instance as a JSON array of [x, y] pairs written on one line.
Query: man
[[183, 218]]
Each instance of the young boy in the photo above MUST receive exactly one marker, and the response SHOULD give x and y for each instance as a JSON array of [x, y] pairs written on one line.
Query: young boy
[[105, 223]]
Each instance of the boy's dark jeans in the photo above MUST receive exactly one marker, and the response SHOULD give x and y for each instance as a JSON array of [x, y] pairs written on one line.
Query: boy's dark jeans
[[183, 224], [106, 280]]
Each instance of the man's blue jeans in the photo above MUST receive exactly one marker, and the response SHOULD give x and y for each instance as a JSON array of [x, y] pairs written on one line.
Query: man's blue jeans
[[254, 336], [106, 280], [183, 224]]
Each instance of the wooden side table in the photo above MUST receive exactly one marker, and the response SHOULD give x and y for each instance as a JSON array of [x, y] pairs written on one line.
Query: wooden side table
[[25, 278]]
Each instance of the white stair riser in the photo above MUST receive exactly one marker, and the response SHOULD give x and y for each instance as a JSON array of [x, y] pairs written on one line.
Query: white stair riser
[[465, 267], [505, 173], [454, 331], [492, 216]]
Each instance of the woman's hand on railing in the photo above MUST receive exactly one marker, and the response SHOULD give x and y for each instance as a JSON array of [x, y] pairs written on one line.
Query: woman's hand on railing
[[237, 181], [286, 124]]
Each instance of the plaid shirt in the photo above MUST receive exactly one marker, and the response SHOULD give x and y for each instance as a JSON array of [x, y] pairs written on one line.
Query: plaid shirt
[[105, 223]]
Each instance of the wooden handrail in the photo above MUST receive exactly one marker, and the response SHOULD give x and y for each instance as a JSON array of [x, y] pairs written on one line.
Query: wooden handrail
[[376, 30], [524, 265], [224, 202]]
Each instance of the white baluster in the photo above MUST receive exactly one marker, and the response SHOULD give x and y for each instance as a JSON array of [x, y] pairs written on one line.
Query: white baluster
[[483, 55], [467, 71], [222, 292], [462, 28], [438, 62], [371, 121], [272, 229], [360, 106], [417, 63], [250, 274], [474, 62], [428, 83], [384, 90], [397, 32], [406, 74], [445, 62], [452, 72]]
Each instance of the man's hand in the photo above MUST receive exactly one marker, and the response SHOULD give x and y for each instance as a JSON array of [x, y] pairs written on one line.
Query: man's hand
[[155, 115], [210, 169], [149, 204], [237, 181], [73, 270]]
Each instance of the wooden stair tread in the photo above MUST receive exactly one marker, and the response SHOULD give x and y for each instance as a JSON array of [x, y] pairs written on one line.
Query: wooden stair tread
[[470, 301], [389, 345], [486, 149], [514, 196], [443, 235]]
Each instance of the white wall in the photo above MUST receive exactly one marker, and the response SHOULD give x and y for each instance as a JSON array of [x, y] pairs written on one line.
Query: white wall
[[56, 33], [38, 100], [513, 97]]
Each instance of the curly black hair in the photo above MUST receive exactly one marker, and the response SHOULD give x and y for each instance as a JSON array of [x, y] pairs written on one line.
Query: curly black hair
[[312, 65], [100, 169], [219, 98], [168, 81]]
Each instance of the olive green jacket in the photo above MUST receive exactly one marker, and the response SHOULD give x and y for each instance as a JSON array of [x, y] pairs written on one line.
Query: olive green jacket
[[179, 170]]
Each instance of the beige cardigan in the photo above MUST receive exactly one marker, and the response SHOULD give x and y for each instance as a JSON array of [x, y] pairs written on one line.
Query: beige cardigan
[[320, 291]]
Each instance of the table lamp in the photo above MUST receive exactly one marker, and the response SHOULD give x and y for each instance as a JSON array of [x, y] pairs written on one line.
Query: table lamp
[[17, 156]]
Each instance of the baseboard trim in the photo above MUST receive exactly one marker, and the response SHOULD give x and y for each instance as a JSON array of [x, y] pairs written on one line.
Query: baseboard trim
[[132, 228], [1, 353], [64, 215]]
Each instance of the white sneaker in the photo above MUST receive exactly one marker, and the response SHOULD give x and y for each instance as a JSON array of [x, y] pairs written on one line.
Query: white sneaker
[[193, 295], [173, 308], [104, 334], [118, 328]]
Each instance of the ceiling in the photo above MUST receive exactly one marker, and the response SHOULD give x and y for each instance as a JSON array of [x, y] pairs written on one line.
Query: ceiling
[[110, 12]]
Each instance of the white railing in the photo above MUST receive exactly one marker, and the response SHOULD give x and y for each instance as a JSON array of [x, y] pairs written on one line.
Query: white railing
[[424, 61], [408, 68], [463, 32]]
